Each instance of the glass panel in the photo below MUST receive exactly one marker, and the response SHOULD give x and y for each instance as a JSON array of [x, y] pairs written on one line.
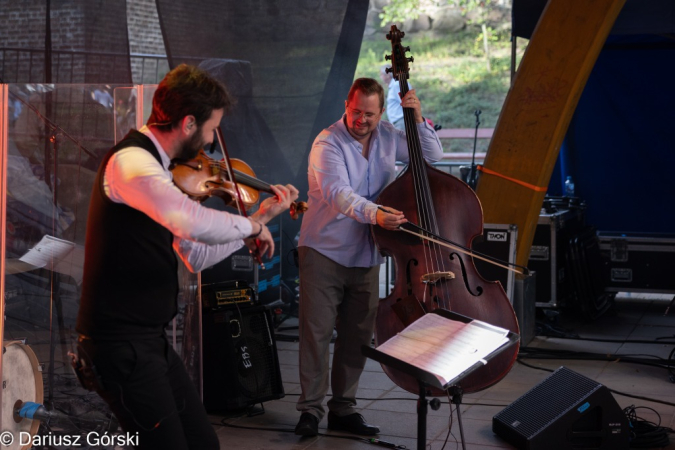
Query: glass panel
[[57, 136], [148, 92], [125, 111]]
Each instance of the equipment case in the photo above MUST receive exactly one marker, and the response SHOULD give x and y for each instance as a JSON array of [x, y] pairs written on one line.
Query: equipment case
[[548, 255], [637, 262], [498, 241]]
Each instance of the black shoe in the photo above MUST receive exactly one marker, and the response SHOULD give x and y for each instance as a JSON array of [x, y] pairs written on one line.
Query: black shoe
[[352, 423], [308, 425]]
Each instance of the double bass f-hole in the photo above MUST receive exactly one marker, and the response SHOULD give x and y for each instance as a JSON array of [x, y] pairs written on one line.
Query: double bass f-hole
[[479, 290]]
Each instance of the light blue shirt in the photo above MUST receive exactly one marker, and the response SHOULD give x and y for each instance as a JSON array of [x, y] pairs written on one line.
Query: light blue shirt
[[394, 108], [343, 187]]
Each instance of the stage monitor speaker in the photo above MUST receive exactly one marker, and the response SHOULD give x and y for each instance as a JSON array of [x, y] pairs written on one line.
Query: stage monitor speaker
[[565, 411], [240, 362]]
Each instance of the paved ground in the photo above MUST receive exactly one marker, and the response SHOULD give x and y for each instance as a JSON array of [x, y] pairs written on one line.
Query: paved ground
[[394, 410]]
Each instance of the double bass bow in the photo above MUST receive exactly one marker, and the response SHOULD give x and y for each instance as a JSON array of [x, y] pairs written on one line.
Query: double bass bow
[[430, 275]]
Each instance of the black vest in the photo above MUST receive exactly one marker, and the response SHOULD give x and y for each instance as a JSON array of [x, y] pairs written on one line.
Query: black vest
[[130, 284]]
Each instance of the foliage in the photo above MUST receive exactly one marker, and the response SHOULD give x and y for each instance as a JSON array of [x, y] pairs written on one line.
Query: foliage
[[450, 77], [400, 10]]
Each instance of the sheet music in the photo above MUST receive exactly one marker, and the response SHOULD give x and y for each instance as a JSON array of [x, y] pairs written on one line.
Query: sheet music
[[445, 347], [57, 255]]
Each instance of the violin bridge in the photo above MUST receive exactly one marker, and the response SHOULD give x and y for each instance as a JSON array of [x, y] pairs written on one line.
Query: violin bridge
[[433, 278]]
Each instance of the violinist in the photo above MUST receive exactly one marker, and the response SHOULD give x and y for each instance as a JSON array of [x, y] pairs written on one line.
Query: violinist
[[138, 222], [350, 163]]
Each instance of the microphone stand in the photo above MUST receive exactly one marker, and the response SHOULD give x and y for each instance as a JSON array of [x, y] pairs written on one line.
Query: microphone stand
[[55, 279], [472, 174]]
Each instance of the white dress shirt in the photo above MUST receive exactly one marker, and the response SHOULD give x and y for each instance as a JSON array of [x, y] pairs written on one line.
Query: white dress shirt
[[202, 236]]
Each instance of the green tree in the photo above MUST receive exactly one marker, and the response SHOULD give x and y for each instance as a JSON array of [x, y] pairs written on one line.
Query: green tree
[[400, 10]]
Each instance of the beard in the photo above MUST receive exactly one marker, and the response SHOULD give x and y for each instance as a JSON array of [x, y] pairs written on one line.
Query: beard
[[190, 147], [361, 131]]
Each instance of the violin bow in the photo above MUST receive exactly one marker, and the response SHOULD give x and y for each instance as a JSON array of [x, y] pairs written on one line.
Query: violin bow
[[240, 202]]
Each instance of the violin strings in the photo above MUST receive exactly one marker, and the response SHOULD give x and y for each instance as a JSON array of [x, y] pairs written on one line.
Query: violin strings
[[242, 177]]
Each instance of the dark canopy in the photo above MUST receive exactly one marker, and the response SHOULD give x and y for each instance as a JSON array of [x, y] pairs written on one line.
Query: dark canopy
[[620, 145]]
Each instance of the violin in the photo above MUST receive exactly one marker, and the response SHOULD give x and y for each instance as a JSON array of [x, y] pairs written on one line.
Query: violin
[[204, 177]]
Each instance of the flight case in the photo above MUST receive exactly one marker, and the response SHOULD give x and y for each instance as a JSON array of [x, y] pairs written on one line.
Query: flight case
[[637, 262], [548, 255]]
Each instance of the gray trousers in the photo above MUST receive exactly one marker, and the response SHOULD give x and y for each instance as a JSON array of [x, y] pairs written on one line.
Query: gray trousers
[[332, 295]]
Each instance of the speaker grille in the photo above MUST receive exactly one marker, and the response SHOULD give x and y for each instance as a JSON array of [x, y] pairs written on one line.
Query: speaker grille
[[255, 358], [241, 367], [564, 389]]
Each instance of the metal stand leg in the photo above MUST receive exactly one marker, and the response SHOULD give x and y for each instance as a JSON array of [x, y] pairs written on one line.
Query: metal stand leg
[[422, 405], [456, 392]]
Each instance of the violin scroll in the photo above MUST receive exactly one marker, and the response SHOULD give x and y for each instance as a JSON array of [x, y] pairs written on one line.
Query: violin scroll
[[297, 208]]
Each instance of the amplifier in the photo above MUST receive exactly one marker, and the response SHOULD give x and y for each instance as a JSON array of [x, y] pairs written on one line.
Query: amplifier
[[241, 364], [227, 293]]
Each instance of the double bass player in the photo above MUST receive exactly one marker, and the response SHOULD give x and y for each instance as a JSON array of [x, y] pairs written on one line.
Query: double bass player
[[350, 163]]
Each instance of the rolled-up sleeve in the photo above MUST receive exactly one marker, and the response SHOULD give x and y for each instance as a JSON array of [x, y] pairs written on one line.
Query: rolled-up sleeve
[[134, 177], [198, 256], [431, 145]]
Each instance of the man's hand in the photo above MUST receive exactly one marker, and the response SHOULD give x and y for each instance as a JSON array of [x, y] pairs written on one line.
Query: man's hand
[[262, 243], [389, 218], [410, 100], [280, 202]]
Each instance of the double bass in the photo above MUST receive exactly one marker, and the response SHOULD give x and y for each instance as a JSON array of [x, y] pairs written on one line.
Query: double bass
[[428, 275]]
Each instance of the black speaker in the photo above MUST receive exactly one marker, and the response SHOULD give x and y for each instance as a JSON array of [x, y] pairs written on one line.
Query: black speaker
[[240, 362], [565, 411]]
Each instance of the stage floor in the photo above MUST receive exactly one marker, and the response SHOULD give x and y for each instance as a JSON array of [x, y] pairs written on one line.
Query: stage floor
[[394, 410]]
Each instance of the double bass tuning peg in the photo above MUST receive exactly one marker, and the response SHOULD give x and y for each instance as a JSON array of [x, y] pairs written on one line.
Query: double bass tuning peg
[[387, 57]]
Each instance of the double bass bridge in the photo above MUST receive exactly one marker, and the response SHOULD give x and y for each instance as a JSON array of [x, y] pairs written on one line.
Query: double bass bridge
[[435, 277]]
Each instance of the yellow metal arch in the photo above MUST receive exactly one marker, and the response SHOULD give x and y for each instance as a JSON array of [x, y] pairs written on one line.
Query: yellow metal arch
[[537, 111]]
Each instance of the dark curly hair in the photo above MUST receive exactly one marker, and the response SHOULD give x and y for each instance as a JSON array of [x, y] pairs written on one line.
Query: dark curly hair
[[184, 91]]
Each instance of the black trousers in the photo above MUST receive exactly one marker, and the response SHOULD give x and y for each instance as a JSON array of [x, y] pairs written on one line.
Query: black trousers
[[149, 391]]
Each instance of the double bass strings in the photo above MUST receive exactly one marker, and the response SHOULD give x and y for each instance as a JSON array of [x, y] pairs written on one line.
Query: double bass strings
[[433, 258]]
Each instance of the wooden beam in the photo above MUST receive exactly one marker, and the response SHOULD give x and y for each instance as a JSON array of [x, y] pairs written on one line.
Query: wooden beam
[[538, 109]]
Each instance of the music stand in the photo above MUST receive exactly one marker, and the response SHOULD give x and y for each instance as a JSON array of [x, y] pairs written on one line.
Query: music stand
[[426, 378]]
